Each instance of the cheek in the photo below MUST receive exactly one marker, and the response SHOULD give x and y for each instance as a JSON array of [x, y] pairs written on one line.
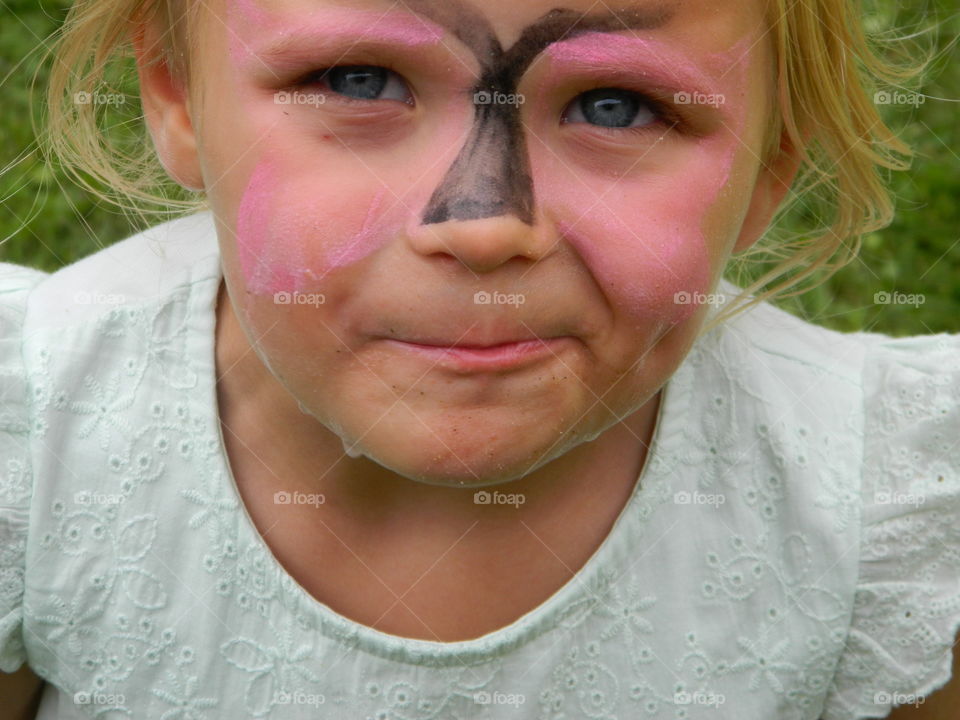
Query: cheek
[[293, 231], [644, 239]]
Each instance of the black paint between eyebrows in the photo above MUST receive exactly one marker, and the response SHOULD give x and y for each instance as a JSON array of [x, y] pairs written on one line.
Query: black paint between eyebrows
[[491, 175]]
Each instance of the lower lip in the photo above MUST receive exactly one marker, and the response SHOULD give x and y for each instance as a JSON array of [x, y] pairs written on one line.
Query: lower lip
[[498, 357]]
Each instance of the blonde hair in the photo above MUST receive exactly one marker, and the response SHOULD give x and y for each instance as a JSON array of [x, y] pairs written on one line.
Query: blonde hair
[[827, 69]]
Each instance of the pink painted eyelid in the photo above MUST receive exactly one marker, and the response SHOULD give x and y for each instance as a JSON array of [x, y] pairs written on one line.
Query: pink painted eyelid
[[618, 55]]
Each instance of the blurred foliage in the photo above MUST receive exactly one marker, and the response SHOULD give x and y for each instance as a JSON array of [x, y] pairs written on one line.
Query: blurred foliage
[[46, 221], [919, 253]]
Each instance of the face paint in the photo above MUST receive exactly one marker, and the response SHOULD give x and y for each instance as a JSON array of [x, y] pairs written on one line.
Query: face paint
[[366, 241], [652, 258], [317, 29], [613, 56], [282, 245], [269, 264], [637, 253], [491, 175]]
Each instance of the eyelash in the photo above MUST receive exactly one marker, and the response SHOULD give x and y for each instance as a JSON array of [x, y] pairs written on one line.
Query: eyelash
[[315, 76], [667, 118]]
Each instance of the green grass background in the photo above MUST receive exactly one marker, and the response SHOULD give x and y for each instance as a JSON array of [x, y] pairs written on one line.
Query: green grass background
[[47, 222]]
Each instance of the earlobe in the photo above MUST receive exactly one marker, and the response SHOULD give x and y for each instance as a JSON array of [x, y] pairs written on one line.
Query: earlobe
[[166, 109], [773, 183]]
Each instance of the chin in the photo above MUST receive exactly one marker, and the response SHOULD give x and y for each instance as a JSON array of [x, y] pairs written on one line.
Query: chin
[[450, 459]]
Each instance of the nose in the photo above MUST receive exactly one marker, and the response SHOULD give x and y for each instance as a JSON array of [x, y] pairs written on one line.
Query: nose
[[483, 244]]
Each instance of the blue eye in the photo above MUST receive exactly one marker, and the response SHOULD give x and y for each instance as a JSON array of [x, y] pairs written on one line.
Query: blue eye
[[611, 108], [367, 82]]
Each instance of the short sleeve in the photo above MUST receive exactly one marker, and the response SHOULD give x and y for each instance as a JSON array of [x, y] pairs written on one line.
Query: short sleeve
[[906, 607], [15, 480]]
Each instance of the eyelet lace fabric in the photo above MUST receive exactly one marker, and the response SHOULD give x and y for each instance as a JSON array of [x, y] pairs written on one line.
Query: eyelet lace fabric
[[790, 549]]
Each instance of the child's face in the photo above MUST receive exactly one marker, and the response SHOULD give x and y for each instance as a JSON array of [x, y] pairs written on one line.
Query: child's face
[[468, 147]]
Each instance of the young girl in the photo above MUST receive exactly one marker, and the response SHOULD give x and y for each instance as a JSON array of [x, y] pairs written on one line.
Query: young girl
[[439, 408]]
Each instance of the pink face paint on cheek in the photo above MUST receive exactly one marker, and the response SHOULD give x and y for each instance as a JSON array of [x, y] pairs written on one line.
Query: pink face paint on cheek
[[643, 236], [270, 260], [643, 253], [366, 241], [292, 231]]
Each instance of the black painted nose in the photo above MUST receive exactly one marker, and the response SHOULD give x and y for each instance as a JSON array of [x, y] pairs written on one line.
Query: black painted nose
[[491, 175]]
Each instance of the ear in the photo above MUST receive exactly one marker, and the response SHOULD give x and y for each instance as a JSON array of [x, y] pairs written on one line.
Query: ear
[[166, 107], [773, 182]]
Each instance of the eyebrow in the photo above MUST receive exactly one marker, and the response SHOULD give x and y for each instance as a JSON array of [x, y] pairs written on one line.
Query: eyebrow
[[464, 21], [360, 27], [473, 28], [624, 54], [561, 25]]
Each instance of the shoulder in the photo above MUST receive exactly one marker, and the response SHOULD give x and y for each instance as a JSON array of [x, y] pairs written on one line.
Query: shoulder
[[768, 334], [883, 367], [895, 402], [144, 268]]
